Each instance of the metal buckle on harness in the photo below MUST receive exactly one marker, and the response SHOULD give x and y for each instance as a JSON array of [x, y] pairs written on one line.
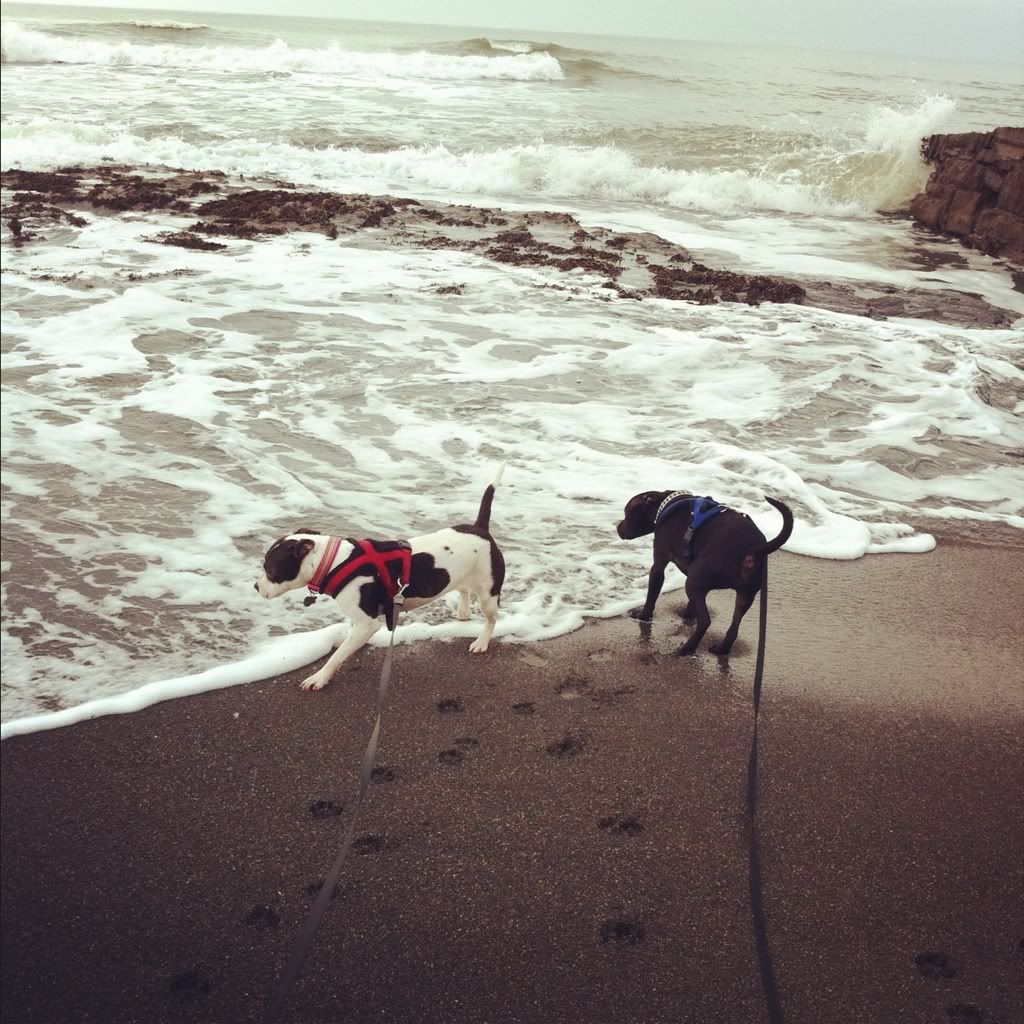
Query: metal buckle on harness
[[398, 598]]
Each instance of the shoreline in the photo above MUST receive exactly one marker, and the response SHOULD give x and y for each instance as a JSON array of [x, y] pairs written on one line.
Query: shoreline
[[556, 829], [316, 643]]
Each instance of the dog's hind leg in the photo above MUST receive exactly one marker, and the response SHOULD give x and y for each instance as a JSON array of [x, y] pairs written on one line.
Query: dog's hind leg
[[698, 604], [357, 636], [744, 599], [489, 606]]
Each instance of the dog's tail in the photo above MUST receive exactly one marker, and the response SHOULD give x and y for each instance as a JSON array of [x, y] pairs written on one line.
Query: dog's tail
[[787, 526], [483, 517]]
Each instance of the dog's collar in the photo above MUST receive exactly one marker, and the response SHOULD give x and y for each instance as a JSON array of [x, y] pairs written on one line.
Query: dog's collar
[[674, 496], [701, 509], [326, 563]]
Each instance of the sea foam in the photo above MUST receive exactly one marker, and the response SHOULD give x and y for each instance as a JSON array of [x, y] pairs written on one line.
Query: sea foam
[[161, 484], [26, 46], [850, 185]]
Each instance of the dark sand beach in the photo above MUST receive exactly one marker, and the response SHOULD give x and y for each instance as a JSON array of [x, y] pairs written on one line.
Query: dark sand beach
[[557, 831]]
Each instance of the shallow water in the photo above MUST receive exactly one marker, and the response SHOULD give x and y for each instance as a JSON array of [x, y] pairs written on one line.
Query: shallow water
[[167, 414]]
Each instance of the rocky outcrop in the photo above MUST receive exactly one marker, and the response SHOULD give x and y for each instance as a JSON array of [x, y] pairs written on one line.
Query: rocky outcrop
[[976, 190], [630, 266], [206, 211]]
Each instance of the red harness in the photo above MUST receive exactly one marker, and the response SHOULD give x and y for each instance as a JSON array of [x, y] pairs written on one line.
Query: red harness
[[329, 578]]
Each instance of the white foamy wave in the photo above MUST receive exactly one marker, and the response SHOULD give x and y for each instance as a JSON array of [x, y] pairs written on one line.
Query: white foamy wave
[[285, 655], [510, 45], [174, 26], [24, 46], [878, 167], [170, 427], [539, 171]]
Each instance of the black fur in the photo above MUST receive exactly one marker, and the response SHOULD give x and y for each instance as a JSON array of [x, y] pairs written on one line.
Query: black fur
[[281, 562], [726, 553], [427, 581]]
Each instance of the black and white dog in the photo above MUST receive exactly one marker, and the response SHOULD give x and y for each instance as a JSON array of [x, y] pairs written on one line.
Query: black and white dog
[[364, 576]]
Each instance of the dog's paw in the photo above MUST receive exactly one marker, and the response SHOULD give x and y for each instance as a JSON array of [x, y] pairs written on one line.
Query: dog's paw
[[721, 648], [314, 682], [684, 650], [641, 614], [478, 646]]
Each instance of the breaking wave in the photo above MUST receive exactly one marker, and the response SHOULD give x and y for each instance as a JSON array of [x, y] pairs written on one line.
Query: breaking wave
[[879, 170], [25, 46], [485, 45], [573, 62], [168, 26]]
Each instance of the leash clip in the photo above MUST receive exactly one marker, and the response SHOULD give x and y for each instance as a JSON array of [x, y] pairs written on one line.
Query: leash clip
[[398, 598]]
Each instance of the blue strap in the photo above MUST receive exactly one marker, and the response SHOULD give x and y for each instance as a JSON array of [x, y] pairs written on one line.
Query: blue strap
[[702, 509]]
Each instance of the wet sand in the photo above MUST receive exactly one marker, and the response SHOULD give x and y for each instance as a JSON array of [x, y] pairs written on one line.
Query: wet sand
[[557, 830]]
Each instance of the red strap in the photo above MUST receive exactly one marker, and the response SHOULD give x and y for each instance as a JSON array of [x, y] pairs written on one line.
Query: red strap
[[380, 559], [337, 577]]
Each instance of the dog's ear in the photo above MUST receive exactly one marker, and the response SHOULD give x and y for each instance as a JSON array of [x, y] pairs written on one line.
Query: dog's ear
[[646, 501], [306, 529], [284, 559]]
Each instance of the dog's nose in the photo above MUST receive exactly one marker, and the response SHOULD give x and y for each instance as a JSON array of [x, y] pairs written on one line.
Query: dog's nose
[[256, 587]]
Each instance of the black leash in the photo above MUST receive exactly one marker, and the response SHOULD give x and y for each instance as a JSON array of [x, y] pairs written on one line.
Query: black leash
[[316, 912], [764, 956]]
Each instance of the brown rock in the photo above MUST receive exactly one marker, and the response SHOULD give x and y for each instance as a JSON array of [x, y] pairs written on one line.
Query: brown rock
[[993, 179], [928, 209], [1000, 224], [965, 144], [939, 189], [959, 217], [963, 173], [1011, 196], [1014, 136], [975, 177], [1006, 151], [1001, 234]]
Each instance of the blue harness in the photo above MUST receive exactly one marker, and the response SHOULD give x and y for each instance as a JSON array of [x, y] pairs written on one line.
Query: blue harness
[[701, 510]]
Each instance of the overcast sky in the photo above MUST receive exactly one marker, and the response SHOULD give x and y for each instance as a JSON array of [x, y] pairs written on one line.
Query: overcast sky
[[969, 29]]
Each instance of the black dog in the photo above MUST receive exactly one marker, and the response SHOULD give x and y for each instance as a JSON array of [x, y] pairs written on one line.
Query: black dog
[[716, 548]]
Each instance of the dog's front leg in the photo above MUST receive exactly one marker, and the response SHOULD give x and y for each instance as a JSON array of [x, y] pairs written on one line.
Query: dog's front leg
[[655, 581], [357, 636]]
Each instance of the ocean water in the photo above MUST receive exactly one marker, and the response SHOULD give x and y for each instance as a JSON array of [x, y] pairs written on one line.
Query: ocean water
[[167, 414]]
